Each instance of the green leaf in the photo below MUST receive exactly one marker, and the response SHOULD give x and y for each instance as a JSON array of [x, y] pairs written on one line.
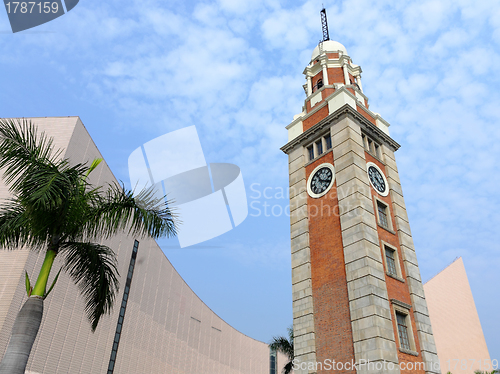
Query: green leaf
[[143, 214], [53, 284], [28, 285], [92, 267], [94, 164]]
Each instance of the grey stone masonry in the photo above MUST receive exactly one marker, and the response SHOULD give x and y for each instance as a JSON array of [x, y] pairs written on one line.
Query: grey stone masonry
[[303, 317], [372, 329], [420, 312]]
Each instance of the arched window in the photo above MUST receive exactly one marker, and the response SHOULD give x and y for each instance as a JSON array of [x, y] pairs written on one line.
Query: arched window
[[318, 85], [354, 83]]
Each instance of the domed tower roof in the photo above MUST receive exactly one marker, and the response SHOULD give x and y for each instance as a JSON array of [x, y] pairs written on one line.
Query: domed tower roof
[[328, 46]]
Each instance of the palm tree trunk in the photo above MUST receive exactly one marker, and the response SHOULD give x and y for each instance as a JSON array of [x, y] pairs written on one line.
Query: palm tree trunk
[[23, 336], [43, 276], [27, 323]]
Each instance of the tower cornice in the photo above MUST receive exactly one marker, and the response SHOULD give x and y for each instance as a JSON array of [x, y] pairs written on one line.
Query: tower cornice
[[344, 111]]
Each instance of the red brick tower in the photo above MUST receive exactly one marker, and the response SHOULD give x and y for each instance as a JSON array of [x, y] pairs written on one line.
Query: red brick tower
[[357, 291]]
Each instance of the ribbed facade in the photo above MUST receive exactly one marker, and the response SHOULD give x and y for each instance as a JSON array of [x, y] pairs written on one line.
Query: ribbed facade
[[166, 328], [457, 330]]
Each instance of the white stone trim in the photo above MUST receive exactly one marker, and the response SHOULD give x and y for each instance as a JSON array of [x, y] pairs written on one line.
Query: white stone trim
[[401, 304], [386, 192], [309, 85], [360, 97], [309, 191], [358, 80], [346, 75], [382, 124], [339, 98], [325, 73], [295, 128], [316, 98]]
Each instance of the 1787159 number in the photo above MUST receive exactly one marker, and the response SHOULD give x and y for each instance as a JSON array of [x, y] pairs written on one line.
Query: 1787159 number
[[28, 7]]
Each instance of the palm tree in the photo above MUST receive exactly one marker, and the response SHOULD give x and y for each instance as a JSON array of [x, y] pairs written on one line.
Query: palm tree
[[285, 346], [55, 209]]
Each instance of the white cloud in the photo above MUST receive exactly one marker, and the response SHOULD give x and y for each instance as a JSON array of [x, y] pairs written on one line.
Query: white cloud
[[424, 18], [290, 29]]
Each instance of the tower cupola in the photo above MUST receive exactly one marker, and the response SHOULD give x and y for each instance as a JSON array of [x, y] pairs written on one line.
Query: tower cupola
[[332, 81], [328, 46]]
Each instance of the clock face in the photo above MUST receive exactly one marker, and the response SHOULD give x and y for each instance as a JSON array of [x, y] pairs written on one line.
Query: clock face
[[377, 179], [321, 180]]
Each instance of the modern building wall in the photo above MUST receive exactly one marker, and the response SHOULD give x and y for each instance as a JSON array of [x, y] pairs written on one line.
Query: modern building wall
[[457, 330], [166, 329]]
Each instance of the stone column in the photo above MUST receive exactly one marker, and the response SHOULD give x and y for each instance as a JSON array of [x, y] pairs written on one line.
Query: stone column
[[309, 85], [372, 328], [358, 80], [420, 312], [325, 73], [303, 317], [346, 74]]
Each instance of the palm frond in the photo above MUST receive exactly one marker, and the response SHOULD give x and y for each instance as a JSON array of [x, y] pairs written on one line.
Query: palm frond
[[285, 346], [23, 150], [118, 209], [58, 200], [95, 163], [49, 186], [281, 344], [93, 268], [16, 227], [287, 369], [290, 335]]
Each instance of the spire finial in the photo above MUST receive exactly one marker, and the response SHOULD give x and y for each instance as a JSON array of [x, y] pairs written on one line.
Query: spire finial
[[324, 25]]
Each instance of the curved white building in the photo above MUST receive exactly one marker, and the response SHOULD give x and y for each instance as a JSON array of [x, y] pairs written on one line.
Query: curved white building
[[158, 326]]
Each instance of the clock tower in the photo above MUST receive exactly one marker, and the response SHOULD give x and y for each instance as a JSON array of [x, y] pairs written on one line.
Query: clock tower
[[358, 300]]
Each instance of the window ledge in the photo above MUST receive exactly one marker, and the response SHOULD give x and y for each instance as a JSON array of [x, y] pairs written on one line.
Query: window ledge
[[401, 304], [408, 351], [395, 277], [387, 229], [375, 157]]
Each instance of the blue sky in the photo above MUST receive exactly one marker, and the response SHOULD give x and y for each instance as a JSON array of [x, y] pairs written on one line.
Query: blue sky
[[138, 69]]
